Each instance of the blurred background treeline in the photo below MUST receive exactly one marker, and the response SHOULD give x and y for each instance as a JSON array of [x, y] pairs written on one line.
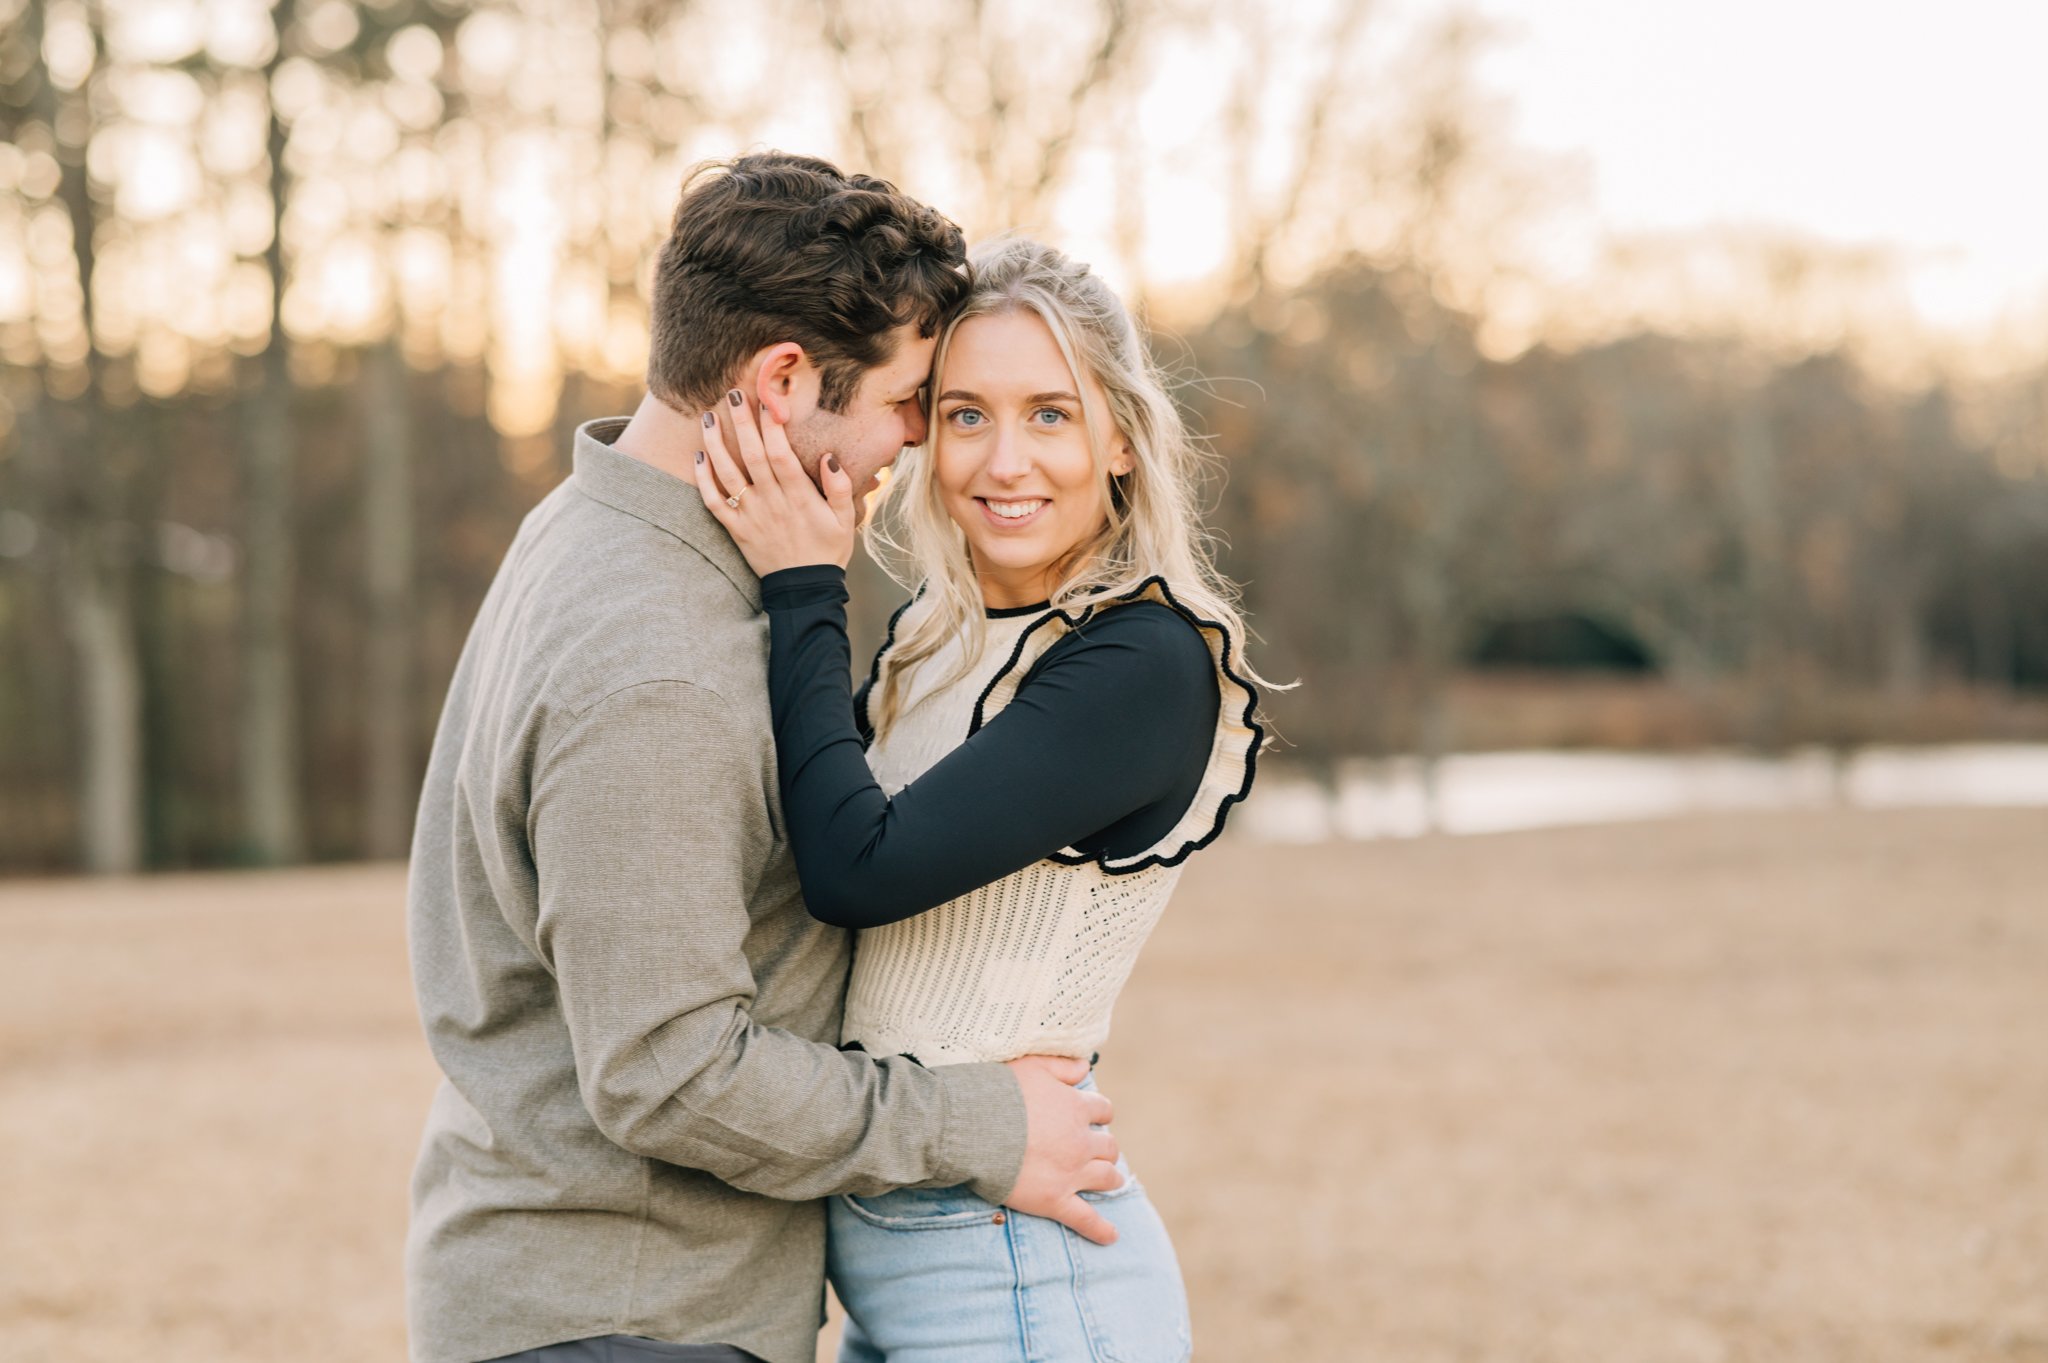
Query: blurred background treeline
[[301, 300]]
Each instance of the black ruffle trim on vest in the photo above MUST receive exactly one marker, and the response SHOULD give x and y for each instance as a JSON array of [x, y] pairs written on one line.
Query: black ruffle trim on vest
[[1224, 654]]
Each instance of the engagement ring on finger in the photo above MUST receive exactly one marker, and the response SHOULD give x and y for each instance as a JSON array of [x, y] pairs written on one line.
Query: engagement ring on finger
[[734, 500]]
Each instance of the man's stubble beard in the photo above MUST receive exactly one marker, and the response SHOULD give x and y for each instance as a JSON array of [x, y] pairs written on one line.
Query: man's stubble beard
[[805, 443], [812, 438]]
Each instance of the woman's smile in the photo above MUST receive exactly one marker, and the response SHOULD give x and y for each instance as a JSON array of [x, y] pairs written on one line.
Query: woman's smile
[[1013, 513]]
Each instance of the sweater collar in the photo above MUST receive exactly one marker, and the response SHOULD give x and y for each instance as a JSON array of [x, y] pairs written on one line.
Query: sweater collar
[[662, 500]]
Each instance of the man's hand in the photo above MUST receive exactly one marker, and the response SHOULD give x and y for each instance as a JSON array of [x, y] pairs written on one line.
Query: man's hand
[[1064, 1153]]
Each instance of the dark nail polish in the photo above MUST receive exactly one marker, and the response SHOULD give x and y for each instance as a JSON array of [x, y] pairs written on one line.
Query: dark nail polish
[[832, 462], [709, 421], [700, 456], [733, 397]]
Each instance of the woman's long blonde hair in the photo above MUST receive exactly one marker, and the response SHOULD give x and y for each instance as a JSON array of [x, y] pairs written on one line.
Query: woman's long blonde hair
[[1154, 526]]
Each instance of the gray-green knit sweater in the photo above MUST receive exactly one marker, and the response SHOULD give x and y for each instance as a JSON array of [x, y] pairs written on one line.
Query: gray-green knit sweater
[[632, 1011]]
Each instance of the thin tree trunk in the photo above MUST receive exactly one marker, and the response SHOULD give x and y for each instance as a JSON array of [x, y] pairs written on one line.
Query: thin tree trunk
[[389, 571], [1753, 450], [1905, 649], [95, 573], [1993, 641], [1436, 599], [1434, 640], [100, 613], [273, 821], [272, 817]]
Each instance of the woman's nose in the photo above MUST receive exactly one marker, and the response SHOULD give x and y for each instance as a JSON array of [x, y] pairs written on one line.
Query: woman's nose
[[1007, 461]]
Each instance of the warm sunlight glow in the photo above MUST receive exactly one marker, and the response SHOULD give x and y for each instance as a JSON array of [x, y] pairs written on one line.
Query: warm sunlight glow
[[1617, 183]]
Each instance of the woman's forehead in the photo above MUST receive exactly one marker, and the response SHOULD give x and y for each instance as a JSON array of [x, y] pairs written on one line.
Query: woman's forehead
[[1008, 353]]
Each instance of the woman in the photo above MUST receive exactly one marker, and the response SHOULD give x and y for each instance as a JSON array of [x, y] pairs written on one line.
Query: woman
[[1060, 717]]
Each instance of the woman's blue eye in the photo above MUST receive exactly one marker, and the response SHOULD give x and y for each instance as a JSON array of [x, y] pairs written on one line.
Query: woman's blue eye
[[1055, 413], [967, 416]]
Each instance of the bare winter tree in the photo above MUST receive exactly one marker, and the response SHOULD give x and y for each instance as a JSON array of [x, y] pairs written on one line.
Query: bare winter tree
[[273, 817], [937, 94], [397, 54], [92, 461]]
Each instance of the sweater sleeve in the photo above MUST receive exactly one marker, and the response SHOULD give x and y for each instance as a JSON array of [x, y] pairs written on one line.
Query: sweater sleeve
[[671, 1063], [1102, 748]]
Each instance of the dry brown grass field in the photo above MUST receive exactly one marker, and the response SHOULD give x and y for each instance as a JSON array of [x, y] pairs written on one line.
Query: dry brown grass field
[[1744, 1088]]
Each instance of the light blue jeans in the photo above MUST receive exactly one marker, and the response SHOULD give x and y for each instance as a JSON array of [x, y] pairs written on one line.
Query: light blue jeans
[[938, 1275]]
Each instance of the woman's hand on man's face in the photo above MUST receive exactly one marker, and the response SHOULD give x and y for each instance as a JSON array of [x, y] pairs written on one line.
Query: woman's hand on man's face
[[752, 483]]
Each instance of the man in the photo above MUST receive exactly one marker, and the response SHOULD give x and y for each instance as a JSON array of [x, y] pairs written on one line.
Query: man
[[633, 1012]]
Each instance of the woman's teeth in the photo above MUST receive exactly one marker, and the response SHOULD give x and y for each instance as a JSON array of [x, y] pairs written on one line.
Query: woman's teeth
[[1014, 511]]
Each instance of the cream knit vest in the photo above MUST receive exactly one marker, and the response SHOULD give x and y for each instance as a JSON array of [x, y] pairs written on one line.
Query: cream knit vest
[[1032, 963]]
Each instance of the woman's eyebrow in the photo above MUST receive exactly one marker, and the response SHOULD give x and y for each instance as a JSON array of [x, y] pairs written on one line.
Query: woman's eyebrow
[[962, 394]]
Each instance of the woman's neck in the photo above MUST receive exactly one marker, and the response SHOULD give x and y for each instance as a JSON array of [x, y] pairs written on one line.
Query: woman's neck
[[1001, 591]]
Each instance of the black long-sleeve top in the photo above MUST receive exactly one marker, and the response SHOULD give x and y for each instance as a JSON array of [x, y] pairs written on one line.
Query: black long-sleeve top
[[1102, 748]]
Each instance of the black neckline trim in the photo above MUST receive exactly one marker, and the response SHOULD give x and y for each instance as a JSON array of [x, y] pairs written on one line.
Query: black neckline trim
[[1008, 612]]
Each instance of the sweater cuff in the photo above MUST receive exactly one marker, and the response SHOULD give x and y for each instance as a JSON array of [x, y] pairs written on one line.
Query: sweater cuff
[[809, 584], [982, 1141]]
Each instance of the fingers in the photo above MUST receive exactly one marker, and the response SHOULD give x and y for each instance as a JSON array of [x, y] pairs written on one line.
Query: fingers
[[837, 485], [707, 487], [1102, 1176], [746, 430], [1101, 1112], [782, 462], [731, 482], [1102, 1146], [1078, 1216]]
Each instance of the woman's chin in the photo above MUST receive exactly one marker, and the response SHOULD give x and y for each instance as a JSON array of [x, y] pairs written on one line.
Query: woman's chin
[[1004, 557]]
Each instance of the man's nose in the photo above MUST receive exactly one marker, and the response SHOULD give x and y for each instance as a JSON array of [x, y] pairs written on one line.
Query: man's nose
[[916, 426]]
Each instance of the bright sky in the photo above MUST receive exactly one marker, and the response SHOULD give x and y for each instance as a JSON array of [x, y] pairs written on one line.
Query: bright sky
[[1921, 126]]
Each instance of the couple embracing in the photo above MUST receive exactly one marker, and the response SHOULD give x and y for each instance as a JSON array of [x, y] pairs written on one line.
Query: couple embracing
[[738, 976]]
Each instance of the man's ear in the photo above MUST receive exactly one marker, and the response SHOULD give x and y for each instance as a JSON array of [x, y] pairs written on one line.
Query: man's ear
[[779, 374]]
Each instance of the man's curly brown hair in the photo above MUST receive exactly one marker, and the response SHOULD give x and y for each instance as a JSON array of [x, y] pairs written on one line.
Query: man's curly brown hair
[[774, 247]]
